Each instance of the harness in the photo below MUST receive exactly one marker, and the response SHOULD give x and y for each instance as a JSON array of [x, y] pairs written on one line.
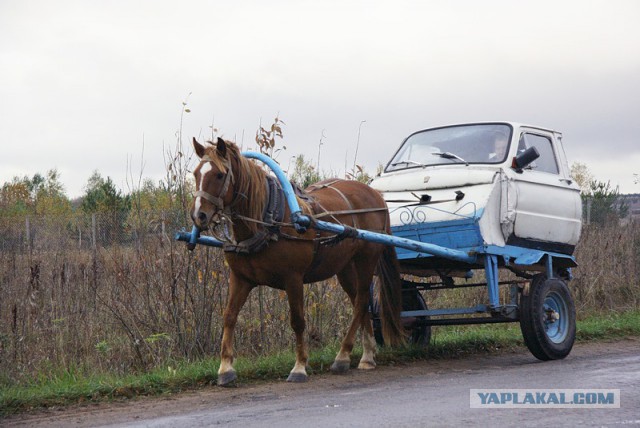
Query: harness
[[272, 217], [217, 201], [274, 212]]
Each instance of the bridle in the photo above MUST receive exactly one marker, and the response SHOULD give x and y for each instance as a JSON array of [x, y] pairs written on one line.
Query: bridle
[[218, 201]]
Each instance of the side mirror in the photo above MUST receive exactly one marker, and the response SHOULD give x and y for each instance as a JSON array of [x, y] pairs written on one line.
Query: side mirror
[[525, 159]]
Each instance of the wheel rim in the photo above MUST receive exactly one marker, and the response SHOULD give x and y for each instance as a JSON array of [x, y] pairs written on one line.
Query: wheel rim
[[555, 317]]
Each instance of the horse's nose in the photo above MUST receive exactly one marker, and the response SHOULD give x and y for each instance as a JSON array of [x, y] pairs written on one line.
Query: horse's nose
[[202, 217]]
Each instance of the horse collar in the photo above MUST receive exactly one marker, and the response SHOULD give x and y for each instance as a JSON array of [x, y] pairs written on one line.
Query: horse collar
[[273, 214]]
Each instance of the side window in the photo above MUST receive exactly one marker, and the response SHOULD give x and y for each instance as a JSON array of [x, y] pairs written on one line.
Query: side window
[[547, 160]]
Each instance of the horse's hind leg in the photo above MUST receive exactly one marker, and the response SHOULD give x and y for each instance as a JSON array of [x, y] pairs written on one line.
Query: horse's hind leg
[[355, 280], [367, 362], [238, 293], [295, 291]]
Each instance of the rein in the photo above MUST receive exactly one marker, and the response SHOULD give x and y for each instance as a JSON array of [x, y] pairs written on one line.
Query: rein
[[262, 236], [314, 216], [346, 212]]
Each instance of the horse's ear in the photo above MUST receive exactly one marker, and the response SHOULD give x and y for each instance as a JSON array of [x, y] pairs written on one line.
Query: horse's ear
[[222, 148], [199, 148]]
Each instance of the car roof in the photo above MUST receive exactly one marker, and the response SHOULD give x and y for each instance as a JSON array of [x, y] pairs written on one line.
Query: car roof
[[506, 122]]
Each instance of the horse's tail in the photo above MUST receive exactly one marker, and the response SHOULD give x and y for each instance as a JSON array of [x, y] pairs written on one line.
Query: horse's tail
[[390, 298]]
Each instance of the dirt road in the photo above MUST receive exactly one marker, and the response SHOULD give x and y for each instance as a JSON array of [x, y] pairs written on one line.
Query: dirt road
[[431, 393]]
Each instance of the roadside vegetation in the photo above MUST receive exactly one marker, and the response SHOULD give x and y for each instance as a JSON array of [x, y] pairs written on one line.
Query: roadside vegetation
[[76, 386], [97, 301]]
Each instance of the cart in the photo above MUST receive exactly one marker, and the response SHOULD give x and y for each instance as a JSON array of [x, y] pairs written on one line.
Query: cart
[[467, 201]]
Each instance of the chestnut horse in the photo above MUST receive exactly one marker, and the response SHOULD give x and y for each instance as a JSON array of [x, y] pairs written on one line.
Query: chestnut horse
[[264, 251]]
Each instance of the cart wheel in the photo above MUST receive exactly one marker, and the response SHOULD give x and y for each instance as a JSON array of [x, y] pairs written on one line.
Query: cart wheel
[[412, 300], [548, 318]]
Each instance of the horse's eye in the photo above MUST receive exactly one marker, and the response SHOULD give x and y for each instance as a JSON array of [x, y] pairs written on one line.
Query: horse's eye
[[220, 176]]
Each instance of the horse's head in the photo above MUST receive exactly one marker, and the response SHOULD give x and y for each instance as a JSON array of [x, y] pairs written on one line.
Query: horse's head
[[214, 183]]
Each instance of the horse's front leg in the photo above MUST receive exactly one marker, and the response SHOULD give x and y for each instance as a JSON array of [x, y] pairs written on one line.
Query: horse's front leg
[[238, 292], [295, 294]]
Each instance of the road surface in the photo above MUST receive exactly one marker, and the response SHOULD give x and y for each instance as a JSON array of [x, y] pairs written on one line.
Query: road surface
[[425, 393]]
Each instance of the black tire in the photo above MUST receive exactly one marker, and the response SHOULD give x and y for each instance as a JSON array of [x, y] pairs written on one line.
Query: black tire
[[548, 318], [412, 300]]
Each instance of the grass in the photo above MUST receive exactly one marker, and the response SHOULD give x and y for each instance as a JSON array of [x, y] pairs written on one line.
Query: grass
[[77, 385]]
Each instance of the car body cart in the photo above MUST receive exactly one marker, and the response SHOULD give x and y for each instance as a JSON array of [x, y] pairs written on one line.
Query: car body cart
[[466, 201]]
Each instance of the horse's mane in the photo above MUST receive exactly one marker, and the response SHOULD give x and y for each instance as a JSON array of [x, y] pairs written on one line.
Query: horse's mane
[[249, 183]]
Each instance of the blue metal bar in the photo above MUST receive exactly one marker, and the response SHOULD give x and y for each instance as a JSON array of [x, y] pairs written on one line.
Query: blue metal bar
[[527, 256], [379, 238], [437, 312], [549, 266], [298, 218], [301, 221], [409, 244], [193, 238], [491, 271], [195, 233]]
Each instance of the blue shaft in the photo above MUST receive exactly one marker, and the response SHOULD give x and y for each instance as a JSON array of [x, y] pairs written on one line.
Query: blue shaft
[[491, 271], [296, 213], [396, 241], [380, 238], [192, 237], [302, 221]]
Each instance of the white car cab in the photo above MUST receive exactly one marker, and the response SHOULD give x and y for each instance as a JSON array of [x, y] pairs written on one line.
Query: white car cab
[[483, 184]]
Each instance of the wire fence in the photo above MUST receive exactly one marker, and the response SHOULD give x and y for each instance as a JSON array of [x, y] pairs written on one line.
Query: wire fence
[[101, 230], [611, 210], [85, 232]]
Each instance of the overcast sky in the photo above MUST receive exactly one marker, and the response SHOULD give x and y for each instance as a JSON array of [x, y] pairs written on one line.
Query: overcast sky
[[84, 85]]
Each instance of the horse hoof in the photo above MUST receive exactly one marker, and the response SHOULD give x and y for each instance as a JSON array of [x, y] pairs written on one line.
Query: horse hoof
[[227, 378], [340, 366], [366, 365], [297, 377]]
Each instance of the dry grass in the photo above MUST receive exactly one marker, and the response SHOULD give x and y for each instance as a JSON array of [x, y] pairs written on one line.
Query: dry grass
[[146, 302], [128, 307], [608, 275]]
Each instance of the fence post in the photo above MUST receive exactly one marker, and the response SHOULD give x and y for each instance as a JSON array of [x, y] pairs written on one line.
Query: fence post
[[28, 232], [261, 310], [589, 201], [93, 231], [95, 259]]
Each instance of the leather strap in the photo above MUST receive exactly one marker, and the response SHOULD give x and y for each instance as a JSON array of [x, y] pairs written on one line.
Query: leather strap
[[217, 201], [272, 215]]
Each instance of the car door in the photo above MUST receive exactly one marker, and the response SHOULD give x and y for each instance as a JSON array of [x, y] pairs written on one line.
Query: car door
[[548, 208]]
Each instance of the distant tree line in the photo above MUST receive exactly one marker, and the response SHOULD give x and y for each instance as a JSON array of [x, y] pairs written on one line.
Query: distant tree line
[[123, 214], [44, 194], [601, 202]]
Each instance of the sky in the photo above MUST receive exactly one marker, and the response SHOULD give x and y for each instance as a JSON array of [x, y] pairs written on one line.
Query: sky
[[100, 85]]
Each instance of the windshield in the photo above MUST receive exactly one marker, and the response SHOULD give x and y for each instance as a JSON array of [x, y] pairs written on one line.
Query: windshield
[[465, 144]]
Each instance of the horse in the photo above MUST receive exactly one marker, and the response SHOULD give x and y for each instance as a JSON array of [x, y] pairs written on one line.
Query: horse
[[263, 248]]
